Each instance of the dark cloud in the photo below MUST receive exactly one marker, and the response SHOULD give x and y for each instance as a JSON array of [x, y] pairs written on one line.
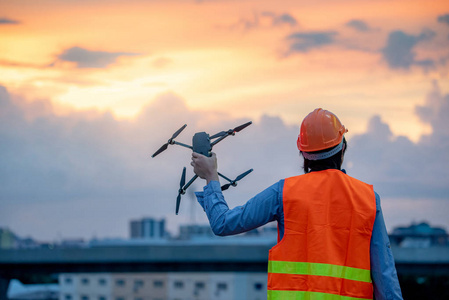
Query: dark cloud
[[91, 59], [444, 19], [358, 25], [6, 21], [281, 19], [246, 23], [306, 41], [266, 19], [399, 52], [285, 19]]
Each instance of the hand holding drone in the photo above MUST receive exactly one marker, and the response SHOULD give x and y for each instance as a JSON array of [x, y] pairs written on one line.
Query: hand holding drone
[[206, 167], [201, 143]]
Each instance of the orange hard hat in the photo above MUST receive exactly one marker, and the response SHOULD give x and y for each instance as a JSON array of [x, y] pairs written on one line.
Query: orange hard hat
[[320, 130]]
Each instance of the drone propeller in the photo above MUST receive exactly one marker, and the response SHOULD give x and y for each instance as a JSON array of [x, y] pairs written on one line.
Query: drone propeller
[[241, 176], [231, 131], [164, 147], [181, 190], [170, 141], [178, 132], [234, 182]]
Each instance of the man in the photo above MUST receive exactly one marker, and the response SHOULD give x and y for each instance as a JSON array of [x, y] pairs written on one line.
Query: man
[[332, 240]]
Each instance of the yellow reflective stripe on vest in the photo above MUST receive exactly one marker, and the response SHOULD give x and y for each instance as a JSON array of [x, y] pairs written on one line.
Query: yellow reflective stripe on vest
[[304, 268], [300, 295]]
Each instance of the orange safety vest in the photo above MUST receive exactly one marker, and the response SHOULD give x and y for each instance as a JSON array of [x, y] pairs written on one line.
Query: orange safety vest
[[325, 251]]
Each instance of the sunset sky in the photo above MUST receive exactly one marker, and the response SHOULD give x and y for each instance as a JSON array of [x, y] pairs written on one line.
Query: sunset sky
[[90, 89]]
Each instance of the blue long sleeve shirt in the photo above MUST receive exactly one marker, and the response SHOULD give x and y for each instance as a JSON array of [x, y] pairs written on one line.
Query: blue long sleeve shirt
[[267, 206]]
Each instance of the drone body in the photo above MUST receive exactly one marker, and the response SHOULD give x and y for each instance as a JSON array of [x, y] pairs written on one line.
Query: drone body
[[201, 143]]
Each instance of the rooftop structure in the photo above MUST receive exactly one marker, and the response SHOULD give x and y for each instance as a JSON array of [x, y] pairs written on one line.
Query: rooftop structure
[[420, 235]]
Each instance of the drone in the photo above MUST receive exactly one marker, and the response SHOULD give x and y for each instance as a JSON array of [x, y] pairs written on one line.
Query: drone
[[202, 143]]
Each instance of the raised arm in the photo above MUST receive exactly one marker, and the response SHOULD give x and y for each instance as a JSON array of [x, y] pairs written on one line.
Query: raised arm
[[259, 210]]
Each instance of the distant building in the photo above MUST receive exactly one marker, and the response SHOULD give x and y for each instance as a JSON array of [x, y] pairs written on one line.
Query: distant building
[[420, 235], [135, 228], [8, 239], [147, 228], [163, 286], [72, 243], [27, 243], [19, 291], [187, 232]]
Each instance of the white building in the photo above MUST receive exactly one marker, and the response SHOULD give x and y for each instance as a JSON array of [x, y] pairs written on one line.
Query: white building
[[163, 286]]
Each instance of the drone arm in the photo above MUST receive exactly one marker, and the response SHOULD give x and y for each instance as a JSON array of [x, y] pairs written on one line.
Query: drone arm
[[190, 182], [224, 134], [221, 175], [183, 145], [219, 140]]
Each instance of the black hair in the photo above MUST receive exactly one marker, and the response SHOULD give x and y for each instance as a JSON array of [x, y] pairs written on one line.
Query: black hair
[[333, 162]]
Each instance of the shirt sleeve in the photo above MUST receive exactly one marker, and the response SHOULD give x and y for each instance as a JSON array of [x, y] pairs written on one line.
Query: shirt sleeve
[[383, 270], [259, 210]]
